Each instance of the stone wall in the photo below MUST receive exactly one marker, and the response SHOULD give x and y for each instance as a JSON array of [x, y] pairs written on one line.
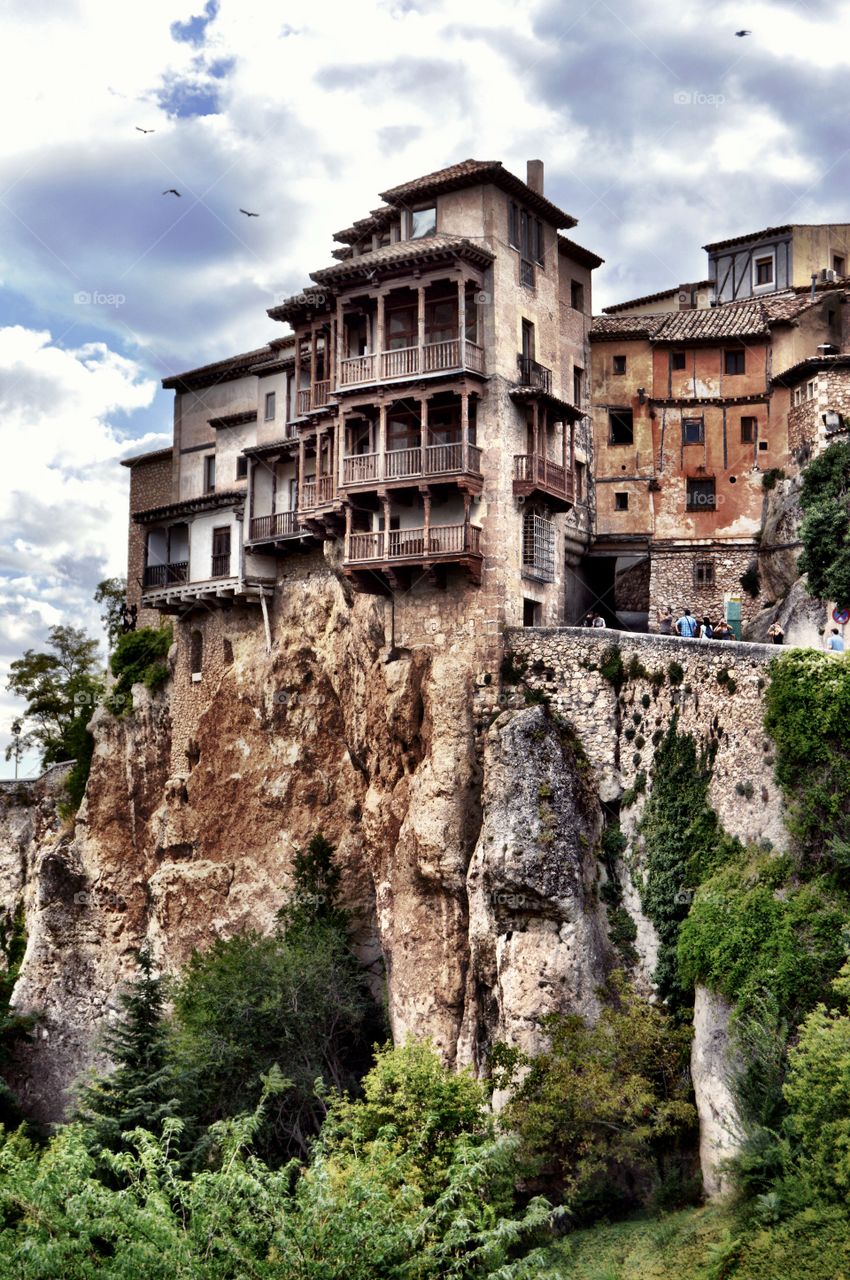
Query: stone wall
[[150, 486], [672, 580], [564, 662]]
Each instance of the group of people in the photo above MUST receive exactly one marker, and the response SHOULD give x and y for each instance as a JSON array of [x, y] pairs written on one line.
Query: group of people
[[689, 628], [593, 619]]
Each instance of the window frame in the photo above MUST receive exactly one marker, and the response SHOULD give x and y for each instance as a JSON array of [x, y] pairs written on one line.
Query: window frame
[[675, 356], [270, 401], [704, 575], [619, 373], [734, 354], [577, 293], [621, 500], [753, 425], [689, 422], [768, 255], [209, 473], [241, 467], [694, 484], [621, 413], [411, 221]]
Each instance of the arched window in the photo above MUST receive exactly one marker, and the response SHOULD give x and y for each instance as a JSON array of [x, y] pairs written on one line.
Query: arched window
[[197, 653]]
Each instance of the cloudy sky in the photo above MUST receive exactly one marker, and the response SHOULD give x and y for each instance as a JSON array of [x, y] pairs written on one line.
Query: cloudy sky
[[660, 130]]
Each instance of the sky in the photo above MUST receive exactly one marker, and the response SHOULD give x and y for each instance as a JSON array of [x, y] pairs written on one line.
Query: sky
[[660, 130]]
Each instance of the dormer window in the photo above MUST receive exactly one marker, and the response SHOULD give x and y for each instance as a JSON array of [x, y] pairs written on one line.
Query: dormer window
[[422, 222]]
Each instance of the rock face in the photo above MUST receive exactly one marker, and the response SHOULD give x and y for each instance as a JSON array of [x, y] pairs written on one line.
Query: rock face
[[712, 1060], [783, 590], [537, 935]]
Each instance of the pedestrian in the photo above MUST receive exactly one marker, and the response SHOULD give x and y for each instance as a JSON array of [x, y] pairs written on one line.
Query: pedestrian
[[665, 621], [777, 635], [588, 619], [598, 620], [836, 644], [706, 631], [687, 626], [723, 631]]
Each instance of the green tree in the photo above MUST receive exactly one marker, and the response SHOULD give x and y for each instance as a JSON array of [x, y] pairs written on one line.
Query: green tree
[[14, 1027], [61, 688], [606, 1108], [825, 529], [112, 594], [139, 1091], [296, 999]]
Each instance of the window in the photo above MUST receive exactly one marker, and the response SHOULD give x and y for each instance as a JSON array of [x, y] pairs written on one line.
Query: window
[[241, 467], [270, 403], [579, 482], [838, 264], [763, 270], [619, 364], [423, 222], [527, 340], [749, 427], [196, 654], [621, 502], [733, 361], [538, 547], [221, 552], [531, 613], [621, 427], [402, 328], [677, 360], [763, 446], [576, 295], [693, 431], [525, 233], [703, 573], [441, 320], [701, 495], [578, 385], [209, 473]]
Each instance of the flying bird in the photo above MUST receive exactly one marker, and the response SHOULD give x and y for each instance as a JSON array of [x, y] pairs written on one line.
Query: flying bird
[[249, 215], [139, 129], [171, 192], [743, 33]]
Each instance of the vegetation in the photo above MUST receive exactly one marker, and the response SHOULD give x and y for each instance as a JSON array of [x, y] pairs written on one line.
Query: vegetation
[[807, 707], [683, 843], [61, 688], [612, 668], [111, 593], [825, 529], [139, 658], [14, 1027], [606, 1109]]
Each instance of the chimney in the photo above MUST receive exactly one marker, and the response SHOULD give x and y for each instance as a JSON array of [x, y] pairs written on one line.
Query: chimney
[[534, 175]]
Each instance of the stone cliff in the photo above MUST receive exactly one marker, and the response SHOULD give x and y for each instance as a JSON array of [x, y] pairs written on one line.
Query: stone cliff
[[467, 823]]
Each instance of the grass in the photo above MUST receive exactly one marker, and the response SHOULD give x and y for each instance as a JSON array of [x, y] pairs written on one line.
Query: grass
[[676, 1246]]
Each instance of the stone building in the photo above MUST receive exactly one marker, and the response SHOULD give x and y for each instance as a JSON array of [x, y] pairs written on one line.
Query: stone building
[[425, 425], [691, 408], [789, 257]]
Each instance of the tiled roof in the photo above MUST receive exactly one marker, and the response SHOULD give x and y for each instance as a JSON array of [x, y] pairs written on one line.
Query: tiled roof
[[219, 371], [751, 318], [578, 253], [796, 373], [308, 299], [204, 502], [605, 327], [656, 297], [469, 173], [154, 456], [752, 235], [376, 220], [401, 254], [233, 419]]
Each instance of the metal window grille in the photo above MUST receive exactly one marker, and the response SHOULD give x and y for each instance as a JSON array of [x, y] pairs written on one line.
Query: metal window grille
[[703, 573], [538, 547]]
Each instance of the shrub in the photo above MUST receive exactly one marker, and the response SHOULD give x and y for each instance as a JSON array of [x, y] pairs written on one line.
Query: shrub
[[611, 667], [604, 1103], [675, 673], [771, 478], [825, 529], [139, 658]]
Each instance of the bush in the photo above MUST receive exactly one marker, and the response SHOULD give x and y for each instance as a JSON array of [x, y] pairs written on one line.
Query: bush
[[606, 1107], [139, 658], [749, 932], [825, 529], [675, 673], [612, 668], [807, 706]]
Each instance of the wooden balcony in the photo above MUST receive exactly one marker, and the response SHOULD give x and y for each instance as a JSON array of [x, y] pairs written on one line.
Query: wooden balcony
[[431, 463], [386, 553], [312, 398], [165, 575], [273, 528], [406, 362], [535, 476], [317, 493]]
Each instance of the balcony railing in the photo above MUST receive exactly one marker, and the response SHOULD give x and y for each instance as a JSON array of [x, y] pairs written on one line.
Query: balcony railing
[[401, 464], [221, 566], [532, 470], [406, 544], [433, 357], [532, 374], [166, 575], [313, 397], [282, 524], [316, 493], [357, 369]]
